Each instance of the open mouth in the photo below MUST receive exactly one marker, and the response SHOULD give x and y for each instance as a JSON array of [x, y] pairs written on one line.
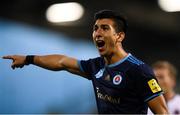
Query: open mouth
[[100, 43]]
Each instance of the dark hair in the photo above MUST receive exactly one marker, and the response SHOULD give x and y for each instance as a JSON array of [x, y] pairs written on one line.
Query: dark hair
[[120, 21]]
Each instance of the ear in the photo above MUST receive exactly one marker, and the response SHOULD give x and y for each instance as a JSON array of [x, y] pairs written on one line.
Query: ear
[[121, 36]]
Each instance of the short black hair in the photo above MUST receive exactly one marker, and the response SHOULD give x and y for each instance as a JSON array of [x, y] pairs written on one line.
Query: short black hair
[[120, 21]]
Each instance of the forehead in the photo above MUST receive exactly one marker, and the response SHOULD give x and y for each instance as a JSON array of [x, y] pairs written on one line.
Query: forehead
[[161, 70], [104, 21]]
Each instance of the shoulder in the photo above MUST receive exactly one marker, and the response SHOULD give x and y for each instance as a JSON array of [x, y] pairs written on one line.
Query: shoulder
[[98, 61], [91, 64], [93, 60], [174, 102], [177, 97], [138, 67]]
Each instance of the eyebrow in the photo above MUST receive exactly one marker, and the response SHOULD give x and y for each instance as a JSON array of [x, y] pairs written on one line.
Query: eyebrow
[[102, 25], [105, 25]]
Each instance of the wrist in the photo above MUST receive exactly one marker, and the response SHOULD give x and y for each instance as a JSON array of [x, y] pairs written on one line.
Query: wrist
[[29, 59]]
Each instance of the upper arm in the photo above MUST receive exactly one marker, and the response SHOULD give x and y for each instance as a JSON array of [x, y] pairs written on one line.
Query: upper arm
[[158, 105], [150, 90]]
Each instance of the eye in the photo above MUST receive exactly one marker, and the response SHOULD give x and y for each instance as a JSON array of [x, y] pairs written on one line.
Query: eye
[[95, 28], [160, 77], [105, 27]]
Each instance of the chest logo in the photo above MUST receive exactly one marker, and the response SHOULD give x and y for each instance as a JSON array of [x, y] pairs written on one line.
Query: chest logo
[[117, 79]]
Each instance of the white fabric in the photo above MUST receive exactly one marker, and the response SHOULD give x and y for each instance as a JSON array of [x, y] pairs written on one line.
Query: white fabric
[[173, 105]]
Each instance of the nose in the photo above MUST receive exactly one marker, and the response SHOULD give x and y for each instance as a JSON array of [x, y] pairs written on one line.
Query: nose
[[98, 33]]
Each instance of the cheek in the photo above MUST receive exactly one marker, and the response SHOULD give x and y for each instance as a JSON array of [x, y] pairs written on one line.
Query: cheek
[[111, 41], [170, 83], [162, 82], [167, 82], [93, 35]]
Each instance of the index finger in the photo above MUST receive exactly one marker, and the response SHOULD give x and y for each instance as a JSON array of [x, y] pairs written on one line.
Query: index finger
[[7, 57]]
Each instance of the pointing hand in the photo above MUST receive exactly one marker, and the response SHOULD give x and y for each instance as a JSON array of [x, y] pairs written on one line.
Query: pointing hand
[[18, 60]]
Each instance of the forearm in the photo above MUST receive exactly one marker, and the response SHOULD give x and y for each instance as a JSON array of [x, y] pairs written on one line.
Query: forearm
[[51, 62], [162, 110], [158, 105]]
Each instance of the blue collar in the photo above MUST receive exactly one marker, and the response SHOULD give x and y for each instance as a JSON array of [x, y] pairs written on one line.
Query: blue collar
[[120, 61]]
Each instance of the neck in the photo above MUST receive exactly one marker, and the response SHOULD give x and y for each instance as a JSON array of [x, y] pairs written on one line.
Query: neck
[[169, 95], [115, 56]]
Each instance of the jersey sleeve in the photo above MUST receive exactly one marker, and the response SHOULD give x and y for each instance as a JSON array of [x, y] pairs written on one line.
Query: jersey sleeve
[[147, 83], [85, 66], [91, 66]]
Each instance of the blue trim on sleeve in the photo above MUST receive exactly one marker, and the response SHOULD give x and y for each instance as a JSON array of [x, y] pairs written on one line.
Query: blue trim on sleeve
[[153, 96], [80, 66], [120, 61]]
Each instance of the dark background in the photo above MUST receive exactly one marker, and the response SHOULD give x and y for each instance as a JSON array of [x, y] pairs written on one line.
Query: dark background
[[153, 33]]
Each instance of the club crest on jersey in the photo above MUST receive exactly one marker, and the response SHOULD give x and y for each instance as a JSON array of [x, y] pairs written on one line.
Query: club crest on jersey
[[117, 79]]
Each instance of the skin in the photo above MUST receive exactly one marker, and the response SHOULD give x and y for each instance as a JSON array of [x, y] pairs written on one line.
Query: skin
[[166, 82], [112, 52]]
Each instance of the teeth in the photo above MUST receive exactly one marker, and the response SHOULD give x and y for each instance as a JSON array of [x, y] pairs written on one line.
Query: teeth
[[99, 39]]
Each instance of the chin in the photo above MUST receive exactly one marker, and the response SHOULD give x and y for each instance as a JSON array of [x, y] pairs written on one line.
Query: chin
[[103, 54]]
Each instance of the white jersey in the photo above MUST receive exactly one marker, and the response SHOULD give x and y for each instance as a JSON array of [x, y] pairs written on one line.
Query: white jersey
[[173, 105]]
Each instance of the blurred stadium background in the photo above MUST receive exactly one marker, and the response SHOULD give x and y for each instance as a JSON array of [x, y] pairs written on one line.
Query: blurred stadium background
[[153, 34]]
